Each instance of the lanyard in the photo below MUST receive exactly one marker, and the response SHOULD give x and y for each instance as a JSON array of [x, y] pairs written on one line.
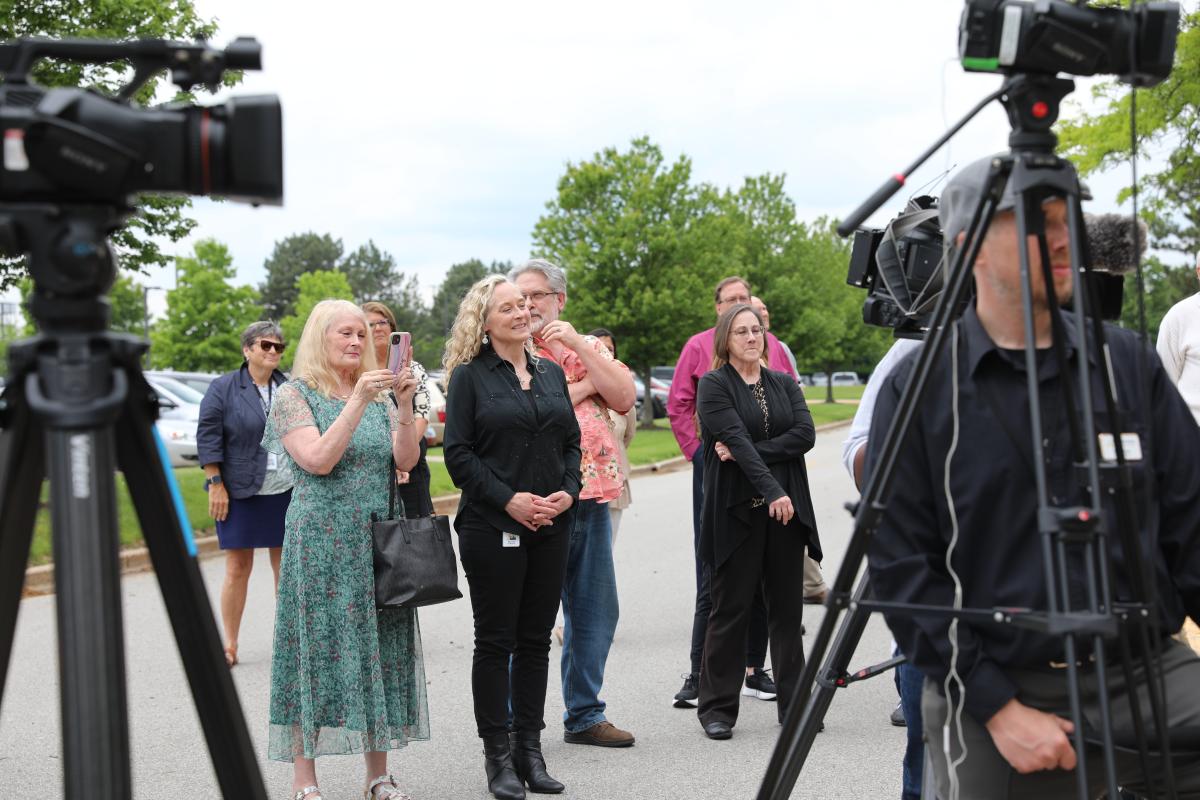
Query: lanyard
[[266, 404]]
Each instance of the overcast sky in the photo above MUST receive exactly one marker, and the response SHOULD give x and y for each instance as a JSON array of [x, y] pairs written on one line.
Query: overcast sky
[[439, 130]]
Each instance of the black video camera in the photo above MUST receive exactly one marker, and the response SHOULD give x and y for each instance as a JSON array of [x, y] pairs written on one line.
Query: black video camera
[[900, 267], [1052, 36], [70, 145]]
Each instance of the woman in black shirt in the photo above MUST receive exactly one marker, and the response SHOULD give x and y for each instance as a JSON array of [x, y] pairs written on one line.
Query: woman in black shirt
[[757, 514], [512, 447]]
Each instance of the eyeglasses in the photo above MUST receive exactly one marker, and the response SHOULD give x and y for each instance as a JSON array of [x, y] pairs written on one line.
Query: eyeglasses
[[267, 347], [741, 298], [379, 323], [537, 297], [742, 333]]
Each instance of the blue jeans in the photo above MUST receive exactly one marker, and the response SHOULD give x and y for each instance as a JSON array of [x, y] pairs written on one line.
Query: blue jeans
[[909, 683], [589, 604]]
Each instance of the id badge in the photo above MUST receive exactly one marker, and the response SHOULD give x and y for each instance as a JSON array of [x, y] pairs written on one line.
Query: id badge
[[1131, 444], [272, 462], [510, 540]]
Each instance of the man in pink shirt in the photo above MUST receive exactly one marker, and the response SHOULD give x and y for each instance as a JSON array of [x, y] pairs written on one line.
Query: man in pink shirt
[[695, 360], [596, 382]]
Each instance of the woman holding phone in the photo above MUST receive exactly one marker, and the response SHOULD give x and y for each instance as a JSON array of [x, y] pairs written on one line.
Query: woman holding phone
[[414, 485]]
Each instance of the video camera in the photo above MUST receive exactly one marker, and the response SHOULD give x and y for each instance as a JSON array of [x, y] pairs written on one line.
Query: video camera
[[1052, 36], [70, 145], [899, 266]]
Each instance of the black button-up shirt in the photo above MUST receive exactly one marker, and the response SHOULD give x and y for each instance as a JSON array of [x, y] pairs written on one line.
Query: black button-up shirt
[[998, 556], [498, 442]]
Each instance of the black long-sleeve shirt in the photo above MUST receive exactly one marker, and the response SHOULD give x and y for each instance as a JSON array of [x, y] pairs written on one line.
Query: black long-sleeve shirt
[[999, 554], [500, 440]]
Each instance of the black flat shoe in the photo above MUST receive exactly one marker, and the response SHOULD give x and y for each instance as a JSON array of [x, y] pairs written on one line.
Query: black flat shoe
[[718, 730]]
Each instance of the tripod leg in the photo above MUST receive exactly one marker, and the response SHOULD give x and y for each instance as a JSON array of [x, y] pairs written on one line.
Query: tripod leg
[[168, 536], [22, 468]]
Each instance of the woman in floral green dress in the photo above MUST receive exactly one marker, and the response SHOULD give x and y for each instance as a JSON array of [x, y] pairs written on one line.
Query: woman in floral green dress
[[345, 678]]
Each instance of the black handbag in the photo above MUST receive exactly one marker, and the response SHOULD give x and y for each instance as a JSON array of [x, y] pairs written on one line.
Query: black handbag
[[414, 559]]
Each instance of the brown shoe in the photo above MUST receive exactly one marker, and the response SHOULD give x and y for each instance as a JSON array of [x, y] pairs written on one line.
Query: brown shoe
[[817, 599], [602, 734]]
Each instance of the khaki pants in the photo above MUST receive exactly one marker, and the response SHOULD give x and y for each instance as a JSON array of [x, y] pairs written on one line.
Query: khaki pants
[[985, 773]]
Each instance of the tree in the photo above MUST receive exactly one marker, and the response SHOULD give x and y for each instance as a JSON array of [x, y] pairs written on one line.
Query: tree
[[206, 314], [371, 274], [626, 227], [1165, 286], [313, 288], [159, 217], [128, 301], [1168, 120], [292, 257]]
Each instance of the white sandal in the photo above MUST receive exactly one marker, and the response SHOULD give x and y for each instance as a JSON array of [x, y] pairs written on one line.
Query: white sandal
[[308, 791], [383, 788]]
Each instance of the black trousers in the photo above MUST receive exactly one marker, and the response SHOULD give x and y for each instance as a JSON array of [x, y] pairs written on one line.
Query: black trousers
[[771, 557], [756, 638], [514, 597]]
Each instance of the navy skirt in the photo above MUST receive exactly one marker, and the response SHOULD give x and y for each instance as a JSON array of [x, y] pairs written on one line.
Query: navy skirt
[[256, 521]]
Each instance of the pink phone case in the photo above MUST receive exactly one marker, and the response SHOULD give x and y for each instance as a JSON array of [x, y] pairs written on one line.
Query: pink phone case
[[398, 352]]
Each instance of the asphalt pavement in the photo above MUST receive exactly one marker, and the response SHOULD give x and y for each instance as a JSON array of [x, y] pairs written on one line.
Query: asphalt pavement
[[858, 755]]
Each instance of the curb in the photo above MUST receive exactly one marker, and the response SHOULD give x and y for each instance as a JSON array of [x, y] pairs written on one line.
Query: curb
[[40, 580]]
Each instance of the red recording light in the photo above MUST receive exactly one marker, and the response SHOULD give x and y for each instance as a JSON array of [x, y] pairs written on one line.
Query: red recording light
[[1040, 110]]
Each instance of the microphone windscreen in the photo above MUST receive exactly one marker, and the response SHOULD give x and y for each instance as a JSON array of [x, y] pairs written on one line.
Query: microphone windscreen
[[1111, 242]]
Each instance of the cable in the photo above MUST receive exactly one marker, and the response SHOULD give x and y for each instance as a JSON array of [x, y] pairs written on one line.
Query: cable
[[953, 677]]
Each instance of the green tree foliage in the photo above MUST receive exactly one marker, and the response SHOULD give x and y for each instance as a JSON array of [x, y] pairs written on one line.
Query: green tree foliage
[[313, 287], [292, 257], [1168, 121], [206, 314], [128, 301], [429, 336], [629, 229], [1165, 286], [159, 218], [372, 275]]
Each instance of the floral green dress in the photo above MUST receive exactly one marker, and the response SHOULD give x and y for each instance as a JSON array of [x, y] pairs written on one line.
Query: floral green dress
[[345, 678]]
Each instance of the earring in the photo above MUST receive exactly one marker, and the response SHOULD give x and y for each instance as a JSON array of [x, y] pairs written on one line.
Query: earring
[[485, 337]]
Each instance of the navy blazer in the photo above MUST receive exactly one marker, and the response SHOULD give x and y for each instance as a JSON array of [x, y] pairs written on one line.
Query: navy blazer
[[231, 429]]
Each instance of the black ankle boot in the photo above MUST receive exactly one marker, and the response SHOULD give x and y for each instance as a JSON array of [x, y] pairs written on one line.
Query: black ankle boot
[[497, 763], [530, 764]]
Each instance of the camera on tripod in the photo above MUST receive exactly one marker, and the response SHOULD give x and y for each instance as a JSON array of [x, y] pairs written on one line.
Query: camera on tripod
[[70, 145], [1052, 36], [900, 267]]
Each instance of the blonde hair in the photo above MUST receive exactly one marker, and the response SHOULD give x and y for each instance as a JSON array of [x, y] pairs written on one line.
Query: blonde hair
[[466, 334], [312, 361]]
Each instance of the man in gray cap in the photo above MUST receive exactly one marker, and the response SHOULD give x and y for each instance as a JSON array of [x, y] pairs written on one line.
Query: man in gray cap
[[964, 479]]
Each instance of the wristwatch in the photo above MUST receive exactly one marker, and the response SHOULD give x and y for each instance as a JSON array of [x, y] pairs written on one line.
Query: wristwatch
[[212, 480]]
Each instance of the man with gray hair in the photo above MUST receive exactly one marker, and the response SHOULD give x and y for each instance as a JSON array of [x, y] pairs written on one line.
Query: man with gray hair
[[597, 382]]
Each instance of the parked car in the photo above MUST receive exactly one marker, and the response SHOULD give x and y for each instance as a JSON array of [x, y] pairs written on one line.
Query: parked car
[[437, 414], [664, 374], [804, 380], [197, 381], [846, 379], [658, 394], [178, 418], [819, 379]]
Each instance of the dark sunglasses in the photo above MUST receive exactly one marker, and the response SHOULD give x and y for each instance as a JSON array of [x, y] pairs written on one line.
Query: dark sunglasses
[[266, 346]]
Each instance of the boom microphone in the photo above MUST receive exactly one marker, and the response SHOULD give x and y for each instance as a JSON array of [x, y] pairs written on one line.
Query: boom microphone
[[1112, 255]]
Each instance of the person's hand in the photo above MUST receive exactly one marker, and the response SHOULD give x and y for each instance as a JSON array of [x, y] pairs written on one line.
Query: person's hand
[[550, 507], [401, 476], [564, 333], [1032, 740], [782, 510], [218, 502], [371, 383], [723, 452], [522, 507]]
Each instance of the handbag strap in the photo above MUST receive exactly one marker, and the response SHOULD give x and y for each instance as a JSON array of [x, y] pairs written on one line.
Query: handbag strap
[[392, 473]]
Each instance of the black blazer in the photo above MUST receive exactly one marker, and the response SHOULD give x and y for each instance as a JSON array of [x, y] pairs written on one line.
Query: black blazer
[[496, 446], [763, 467], [230, 431]]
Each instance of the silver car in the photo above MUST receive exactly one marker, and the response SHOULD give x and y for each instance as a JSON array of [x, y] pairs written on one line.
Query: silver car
[[178, 418]]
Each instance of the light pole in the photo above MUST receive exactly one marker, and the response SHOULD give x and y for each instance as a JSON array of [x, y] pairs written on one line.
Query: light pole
[[146, 315]]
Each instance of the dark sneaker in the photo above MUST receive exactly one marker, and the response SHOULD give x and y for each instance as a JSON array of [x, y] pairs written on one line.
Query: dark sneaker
[[760, 685], [897, 716], [602, 734], [689, 695]]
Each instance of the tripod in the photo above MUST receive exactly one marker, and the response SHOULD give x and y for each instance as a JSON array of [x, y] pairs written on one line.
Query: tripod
[[1079, 533], [76, 407]]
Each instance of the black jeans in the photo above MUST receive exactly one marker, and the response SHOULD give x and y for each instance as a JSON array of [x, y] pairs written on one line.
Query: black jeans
[[514, 598], [756, 637], [771, 557]]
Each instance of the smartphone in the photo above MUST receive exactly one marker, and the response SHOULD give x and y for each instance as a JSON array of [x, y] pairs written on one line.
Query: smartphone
[[398, 351]]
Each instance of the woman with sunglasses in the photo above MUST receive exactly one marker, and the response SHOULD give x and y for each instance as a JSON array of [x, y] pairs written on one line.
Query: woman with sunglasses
[[248, 488]]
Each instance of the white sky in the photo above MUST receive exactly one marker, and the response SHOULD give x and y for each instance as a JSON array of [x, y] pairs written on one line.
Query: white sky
[[439, 130]]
